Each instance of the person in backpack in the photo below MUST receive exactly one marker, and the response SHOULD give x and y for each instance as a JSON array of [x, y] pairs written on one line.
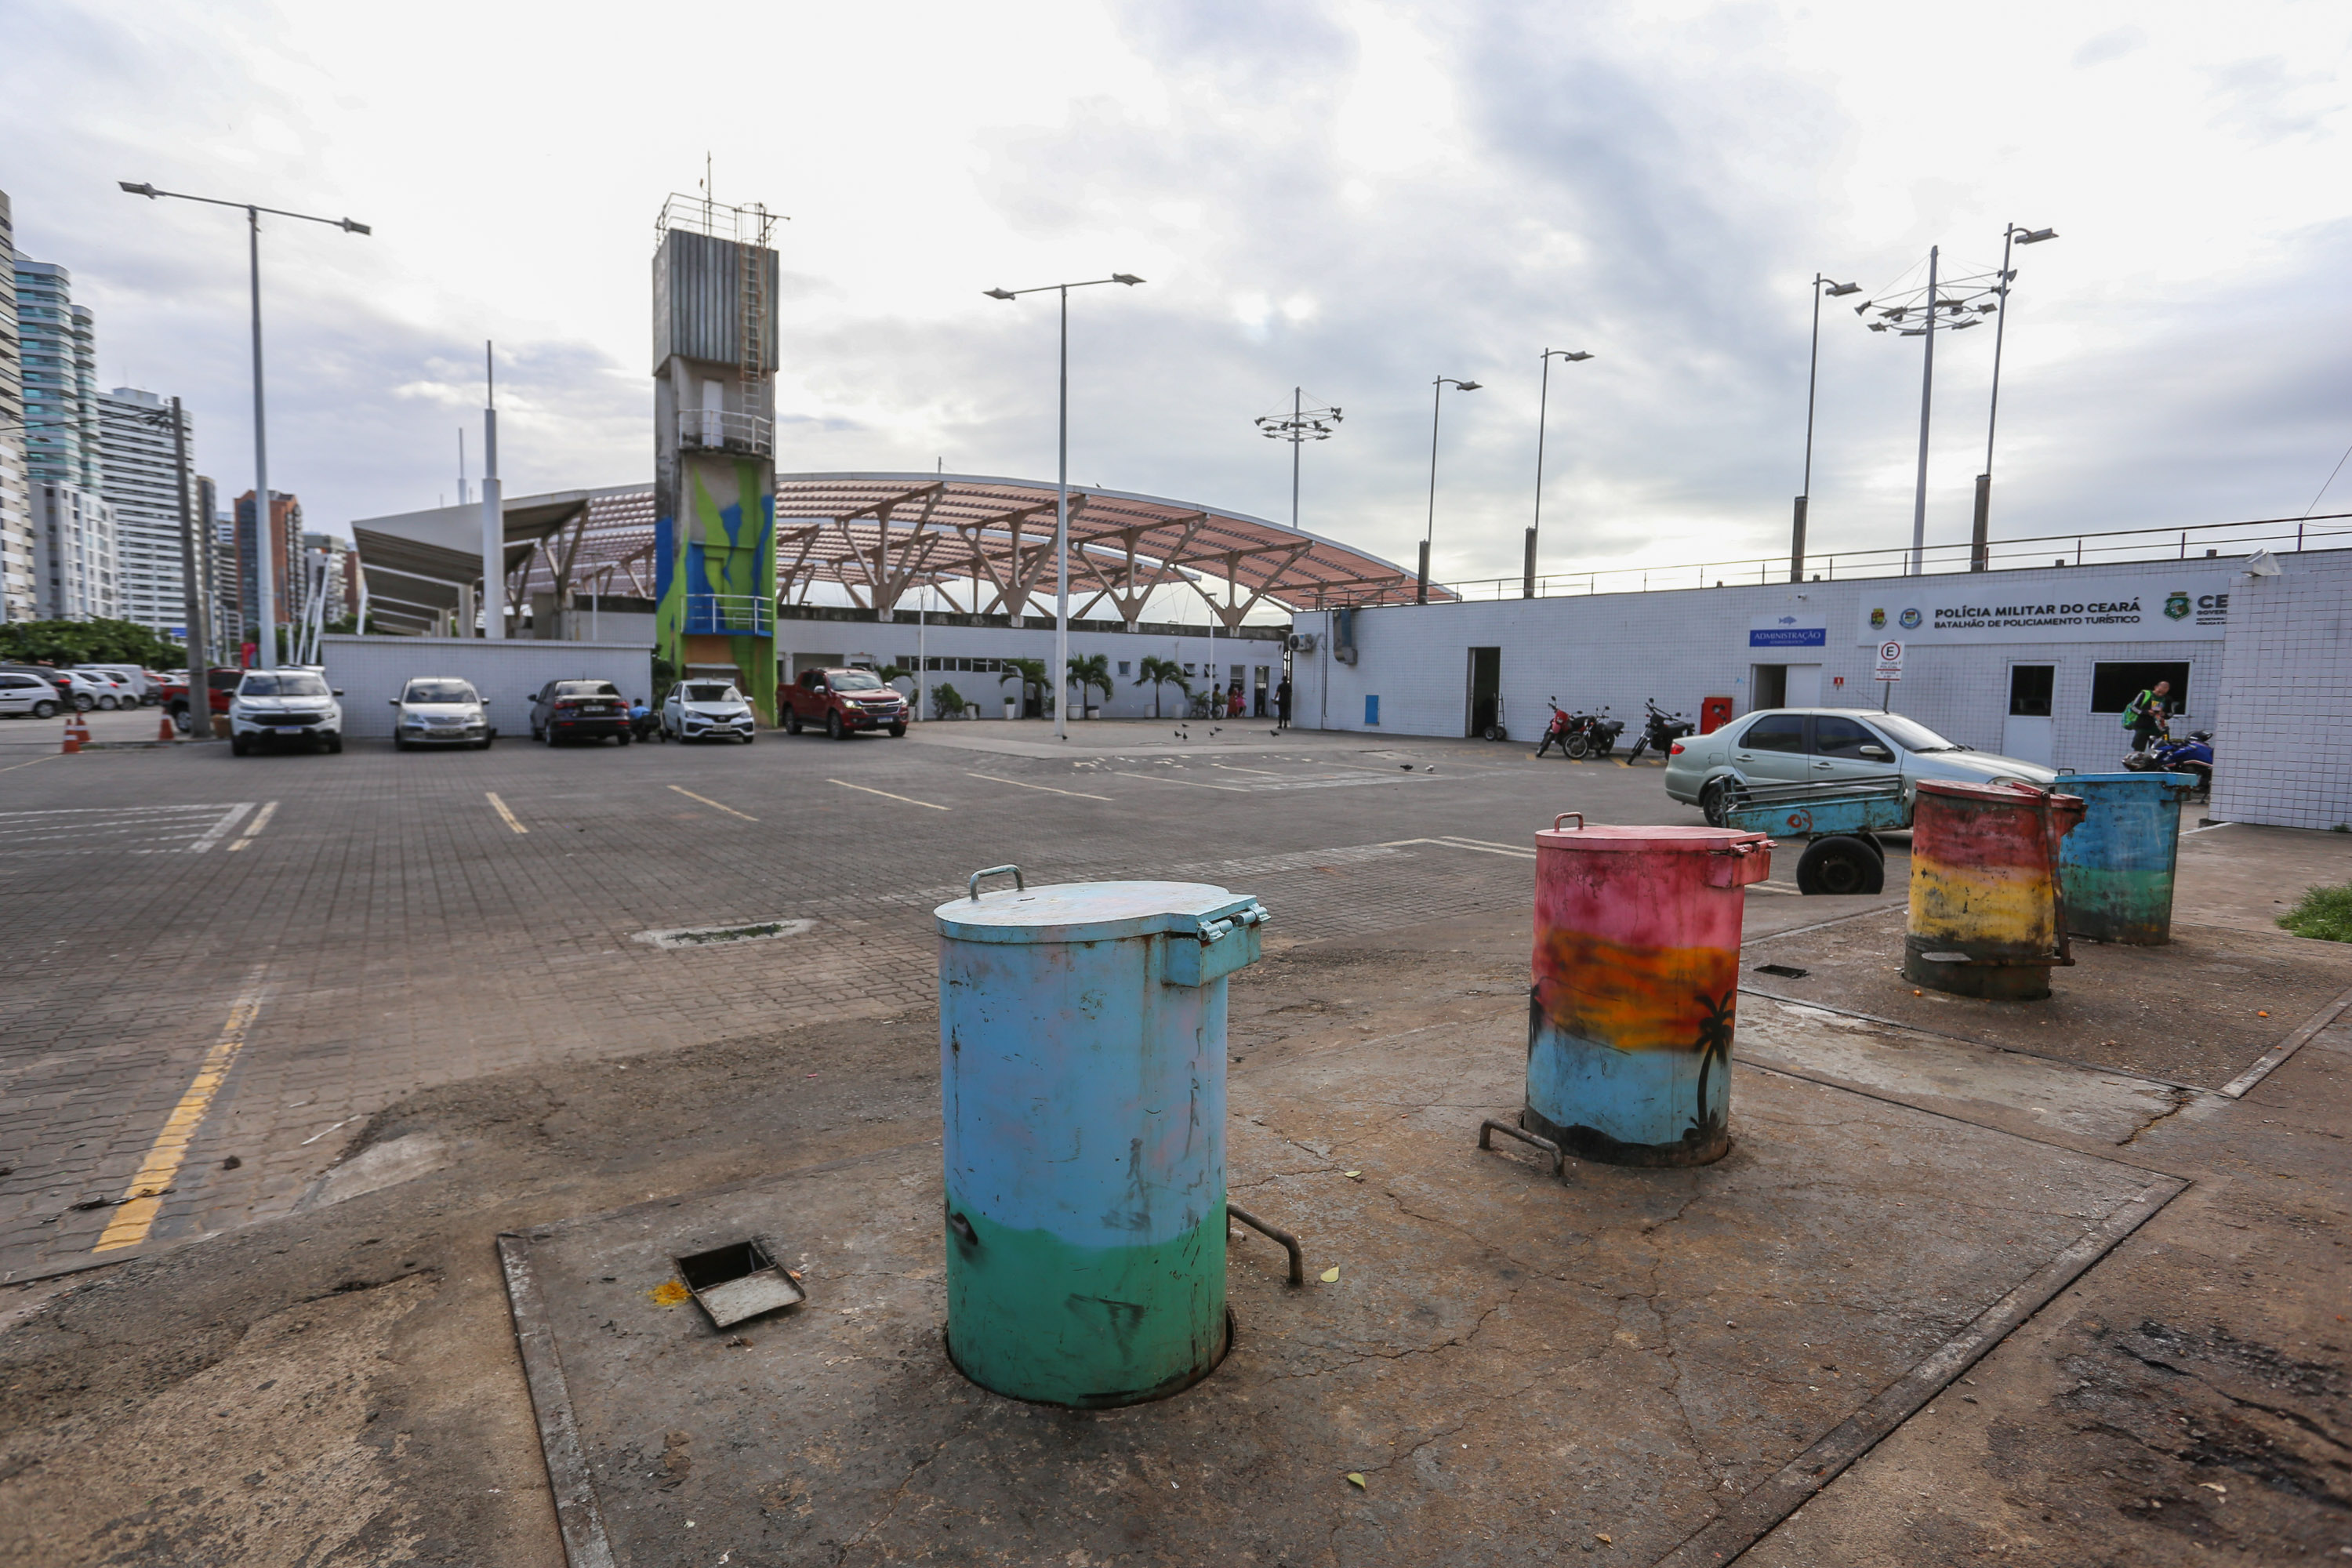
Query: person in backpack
[[2145, 715]]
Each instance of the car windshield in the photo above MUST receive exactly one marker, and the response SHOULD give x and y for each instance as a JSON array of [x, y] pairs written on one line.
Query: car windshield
[[261, 684], [587, 689], [440, 691], [1911, 736], [855, 681], [712, 694]]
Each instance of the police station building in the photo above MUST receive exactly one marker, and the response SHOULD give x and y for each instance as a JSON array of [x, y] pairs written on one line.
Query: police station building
[[2037, 663]]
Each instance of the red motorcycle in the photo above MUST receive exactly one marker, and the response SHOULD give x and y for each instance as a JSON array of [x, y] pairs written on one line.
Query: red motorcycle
[[1556, 732]]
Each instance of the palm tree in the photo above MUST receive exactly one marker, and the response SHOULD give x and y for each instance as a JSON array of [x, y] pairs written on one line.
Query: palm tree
[[1029, 672], [1090, 673], [1156, 673]]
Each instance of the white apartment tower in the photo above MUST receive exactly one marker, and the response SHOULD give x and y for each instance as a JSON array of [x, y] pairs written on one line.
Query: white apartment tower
[[142, 486]]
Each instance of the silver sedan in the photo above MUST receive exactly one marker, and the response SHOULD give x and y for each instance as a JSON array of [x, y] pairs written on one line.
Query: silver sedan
[[1826, 748]]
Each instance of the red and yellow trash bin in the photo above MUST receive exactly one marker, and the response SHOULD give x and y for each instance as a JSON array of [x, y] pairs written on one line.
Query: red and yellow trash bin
[[1988, 917]]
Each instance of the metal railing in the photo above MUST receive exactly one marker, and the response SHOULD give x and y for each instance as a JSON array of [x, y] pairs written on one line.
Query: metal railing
[[2332, 530], [730, 614], [714, 430]]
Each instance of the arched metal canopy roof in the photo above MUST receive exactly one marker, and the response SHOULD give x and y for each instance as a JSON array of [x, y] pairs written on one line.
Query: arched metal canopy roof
[[985, 543]]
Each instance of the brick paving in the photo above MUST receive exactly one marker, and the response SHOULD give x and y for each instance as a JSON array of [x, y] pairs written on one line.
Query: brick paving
[[403, 935]]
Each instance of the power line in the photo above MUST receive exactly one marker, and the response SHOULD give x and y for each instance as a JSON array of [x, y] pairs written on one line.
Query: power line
[[2331, 480]]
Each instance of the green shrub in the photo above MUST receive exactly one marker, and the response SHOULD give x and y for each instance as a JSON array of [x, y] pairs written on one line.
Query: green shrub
[[947, 702], [2325, 913]]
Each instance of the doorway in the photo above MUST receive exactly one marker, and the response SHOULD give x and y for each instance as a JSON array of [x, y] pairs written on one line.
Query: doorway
[[2030, 733], [1770, 683], [1261, 689], [1486, 691]]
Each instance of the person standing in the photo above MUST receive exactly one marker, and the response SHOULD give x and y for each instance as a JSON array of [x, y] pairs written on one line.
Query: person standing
[[1282, 704], [2147, 713]]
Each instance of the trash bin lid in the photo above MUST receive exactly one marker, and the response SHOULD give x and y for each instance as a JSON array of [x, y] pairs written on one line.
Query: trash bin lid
[[1613, 838], [1089, 911], [2004, 792], [2152, 777]]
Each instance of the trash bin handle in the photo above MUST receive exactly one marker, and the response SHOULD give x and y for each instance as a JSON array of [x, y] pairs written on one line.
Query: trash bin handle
[[1564, 816], [972, 887]]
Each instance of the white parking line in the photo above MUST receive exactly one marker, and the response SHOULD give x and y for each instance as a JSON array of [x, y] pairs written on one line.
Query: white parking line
[[1049, 789], [260, 820], [712, 803], [213, 835], [886, 795], [1162, 778], [500, 808]]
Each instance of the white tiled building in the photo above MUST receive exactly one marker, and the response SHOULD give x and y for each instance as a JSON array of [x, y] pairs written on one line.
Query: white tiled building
[[143, 487], [73, 536]]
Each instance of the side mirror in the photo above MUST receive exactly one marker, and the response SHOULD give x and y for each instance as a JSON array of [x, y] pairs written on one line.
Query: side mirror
[[1875, 754], [339, 690], [395, 702]]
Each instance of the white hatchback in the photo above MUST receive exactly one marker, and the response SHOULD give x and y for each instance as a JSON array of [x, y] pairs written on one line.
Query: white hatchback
[[708, 710]]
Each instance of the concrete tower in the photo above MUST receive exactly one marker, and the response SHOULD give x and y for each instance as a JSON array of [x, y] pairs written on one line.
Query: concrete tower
[[715, 280]]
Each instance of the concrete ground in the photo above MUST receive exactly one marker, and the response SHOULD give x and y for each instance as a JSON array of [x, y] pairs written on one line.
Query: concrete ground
[[423, 1022]]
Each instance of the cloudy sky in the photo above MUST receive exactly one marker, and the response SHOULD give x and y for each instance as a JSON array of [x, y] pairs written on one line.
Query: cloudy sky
[[1354, 197]]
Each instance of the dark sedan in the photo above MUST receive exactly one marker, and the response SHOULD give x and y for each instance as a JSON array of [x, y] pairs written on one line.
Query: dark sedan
[[579, 711]]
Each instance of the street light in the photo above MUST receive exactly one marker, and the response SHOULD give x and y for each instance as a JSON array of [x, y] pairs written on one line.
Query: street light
[[263, 584], [1813, 380], [1436, 392], [1543, 400], [1980, 547], [1952, 306], [1062, 492], [1304, 425]]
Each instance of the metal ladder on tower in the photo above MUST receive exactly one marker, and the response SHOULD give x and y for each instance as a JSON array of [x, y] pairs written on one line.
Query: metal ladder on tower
[[752, 317]]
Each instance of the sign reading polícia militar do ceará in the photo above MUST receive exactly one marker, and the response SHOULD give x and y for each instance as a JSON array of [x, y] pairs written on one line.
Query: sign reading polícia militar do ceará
[[1976, 608]]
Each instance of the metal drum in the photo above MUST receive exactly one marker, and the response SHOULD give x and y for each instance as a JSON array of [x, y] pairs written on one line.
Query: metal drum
[[1636, 980], [1082, 1073], [2115, 869], [1984, 898]]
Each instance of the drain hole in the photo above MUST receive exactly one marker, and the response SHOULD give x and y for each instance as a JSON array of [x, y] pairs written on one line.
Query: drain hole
[[739, 1281], [708, 936], [1785, 970]]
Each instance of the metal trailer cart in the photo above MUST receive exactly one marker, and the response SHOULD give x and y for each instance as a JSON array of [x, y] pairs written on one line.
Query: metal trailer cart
[[1843, 822]]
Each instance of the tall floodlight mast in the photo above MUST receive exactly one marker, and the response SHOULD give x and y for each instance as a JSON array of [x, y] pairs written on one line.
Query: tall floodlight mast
[[1304, 425], [1945, 305]]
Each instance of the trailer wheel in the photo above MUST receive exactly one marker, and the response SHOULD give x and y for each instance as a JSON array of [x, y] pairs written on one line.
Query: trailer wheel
[[1841, 865]]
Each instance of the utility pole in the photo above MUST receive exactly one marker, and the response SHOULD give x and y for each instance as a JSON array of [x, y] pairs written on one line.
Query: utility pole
[[1543, 404], [1979, 534], [494, 517], [1813, 380], [198, 614]]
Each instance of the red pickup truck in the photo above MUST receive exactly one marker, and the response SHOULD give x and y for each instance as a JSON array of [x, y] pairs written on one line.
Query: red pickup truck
[[845, 701], [174, 694]]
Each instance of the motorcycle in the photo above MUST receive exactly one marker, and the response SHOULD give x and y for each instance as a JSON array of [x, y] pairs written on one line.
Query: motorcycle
[[1556, 733], [2193, 756], [1595, 737], [1660, 731]]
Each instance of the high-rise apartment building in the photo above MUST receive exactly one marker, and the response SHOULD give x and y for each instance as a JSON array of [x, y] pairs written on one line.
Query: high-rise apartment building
[[19, 594], [219, 552], [74, 570], [73, 553], [285, 541], [143, 485]]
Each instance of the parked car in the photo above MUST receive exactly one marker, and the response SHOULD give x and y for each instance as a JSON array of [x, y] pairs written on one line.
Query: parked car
[[222, 681], [140, 683], [844, 702], [440, 711], [1826, 747], [22, 693], [284, 707], [579, 711], [107, 690], [708, 710], [85, 691]]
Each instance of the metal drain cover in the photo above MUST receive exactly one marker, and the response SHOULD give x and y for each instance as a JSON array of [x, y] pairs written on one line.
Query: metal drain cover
[[1785, 970], [737, 1281]]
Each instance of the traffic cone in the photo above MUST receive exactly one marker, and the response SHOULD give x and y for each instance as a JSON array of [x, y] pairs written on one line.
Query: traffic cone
[[167, 731], [77, 731]]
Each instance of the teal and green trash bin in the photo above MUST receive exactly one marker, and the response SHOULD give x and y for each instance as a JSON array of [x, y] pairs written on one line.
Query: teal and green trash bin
[[2116, 867]]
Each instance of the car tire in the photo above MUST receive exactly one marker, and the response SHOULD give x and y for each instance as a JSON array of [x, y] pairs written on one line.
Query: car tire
[[1719, 797], [83, 702], [623, 737], [484, 743], [833, 730], [44, 710], [1840, 866], [897, 732], [335, 744], [398, 744], [238, 746], [750, 736], [791, 722]]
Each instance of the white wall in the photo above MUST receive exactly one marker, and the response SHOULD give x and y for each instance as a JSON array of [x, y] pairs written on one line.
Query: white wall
[[802, 643], [1682, 646], [371, 671], [2282, 747]]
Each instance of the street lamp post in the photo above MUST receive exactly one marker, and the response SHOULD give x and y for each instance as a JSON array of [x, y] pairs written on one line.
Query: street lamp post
[[1813, 380], [1437, 395], [1952, 306], [264, 584], [1060, 674], [1304, 425], [1543, 403], [1980, 535]]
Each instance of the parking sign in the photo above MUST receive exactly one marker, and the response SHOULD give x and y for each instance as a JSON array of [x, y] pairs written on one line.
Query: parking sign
[[1890, 661]]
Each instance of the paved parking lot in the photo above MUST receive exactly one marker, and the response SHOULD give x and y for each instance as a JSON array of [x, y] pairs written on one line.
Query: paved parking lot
[[331, 932]]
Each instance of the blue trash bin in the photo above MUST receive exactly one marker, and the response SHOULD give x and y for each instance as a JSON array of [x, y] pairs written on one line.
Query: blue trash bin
[[2115, 869], [1082, 1074]]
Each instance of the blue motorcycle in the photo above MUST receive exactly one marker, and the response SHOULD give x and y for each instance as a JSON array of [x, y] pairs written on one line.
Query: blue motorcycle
[[2193, 756]]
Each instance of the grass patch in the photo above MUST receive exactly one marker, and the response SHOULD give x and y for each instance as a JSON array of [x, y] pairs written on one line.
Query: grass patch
[[2325, 913]]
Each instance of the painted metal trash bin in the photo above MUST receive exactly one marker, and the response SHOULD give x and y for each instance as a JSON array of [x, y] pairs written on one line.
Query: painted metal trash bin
[[2115, 869], [1985, 916], [1082, 1074], [1636, 982]]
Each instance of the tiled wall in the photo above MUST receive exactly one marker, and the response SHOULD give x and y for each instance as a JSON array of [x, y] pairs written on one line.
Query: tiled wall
[[2282, 745]]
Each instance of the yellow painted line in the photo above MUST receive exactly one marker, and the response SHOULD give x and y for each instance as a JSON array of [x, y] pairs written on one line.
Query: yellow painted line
[[1049, 789], [260, 820], [1160, 778], [885, 794], [143, 1199], [500, 808], [12, 767], [712, 803]]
